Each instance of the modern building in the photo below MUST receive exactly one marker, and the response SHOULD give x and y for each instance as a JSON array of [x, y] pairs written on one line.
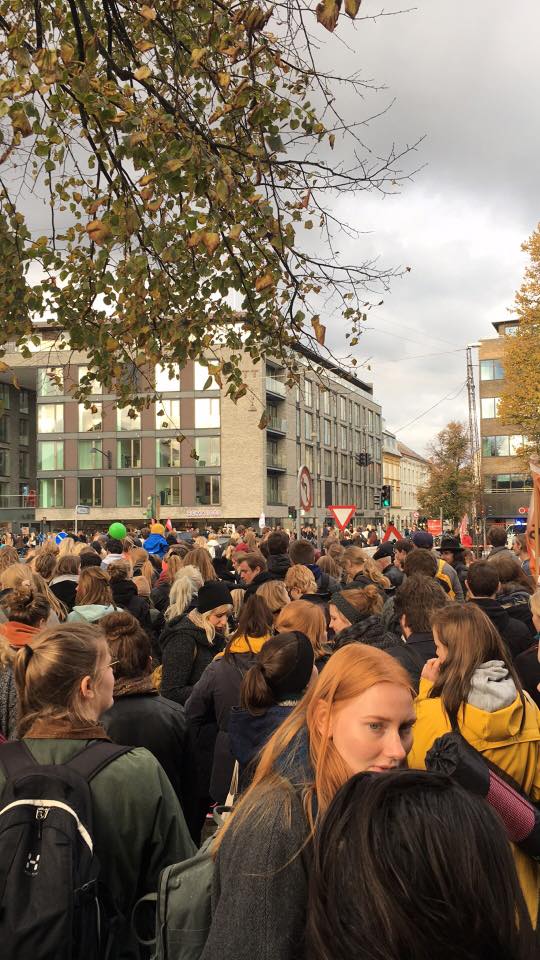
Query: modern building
[[205, 458], [505, 480], [392, 474], [413, 475], [17, 454]]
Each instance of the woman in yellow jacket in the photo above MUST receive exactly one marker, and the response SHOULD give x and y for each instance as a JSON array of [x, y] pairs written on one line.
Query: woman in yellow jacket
[[472, 686]]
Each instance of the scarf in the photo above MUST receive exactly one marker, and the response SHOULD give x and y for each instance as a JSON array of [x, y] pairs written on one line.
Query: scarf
[[60, 728], [130, 686], [18, 634]]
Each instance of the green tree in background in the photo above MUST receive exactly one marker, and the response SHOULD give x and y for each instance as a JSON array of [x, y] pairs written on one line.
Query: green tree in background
[[451, 485]]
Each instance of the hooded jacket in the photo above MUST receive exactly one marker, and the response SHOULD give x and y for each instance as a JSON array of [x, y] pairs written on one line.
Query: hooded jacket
[[528, 669], [278, 564], [369, 630], [413, 653], [91, 612], [516, 602], [185, 654], [248, 734], [505, 731], [500, 552], [126, 596], [156, 544], [210, 705], [514, 632], [64, 588]]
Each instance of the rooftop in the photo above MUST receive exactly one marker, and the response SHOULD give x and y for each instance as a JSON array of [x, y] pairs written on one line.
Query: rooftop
[[406, 451]]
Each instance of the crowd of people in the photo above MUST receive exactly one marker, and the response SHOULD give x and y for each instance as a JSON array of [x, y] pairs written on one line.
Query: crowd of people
[[312, 692]]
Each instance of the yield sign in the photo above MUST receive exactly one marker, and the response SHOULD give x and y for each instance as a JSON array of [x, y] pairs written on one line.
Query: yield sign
[[392, 533], [343, 514]]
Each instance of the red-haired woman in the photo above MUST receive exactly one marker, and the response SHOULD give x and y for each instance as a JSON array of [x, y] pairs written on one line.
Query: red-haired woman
[[358, 716]]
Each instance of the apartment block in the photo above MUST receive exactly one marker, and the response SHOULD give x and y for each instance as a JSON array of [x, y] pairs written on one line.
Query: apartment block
[[392, 473], [17, 453], [413, 469]]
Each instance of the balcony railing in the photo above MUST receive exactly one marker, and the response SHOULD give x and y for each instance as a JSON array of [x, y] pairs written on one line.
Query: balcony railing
[[277, 387], [276, 425], [275, 461]]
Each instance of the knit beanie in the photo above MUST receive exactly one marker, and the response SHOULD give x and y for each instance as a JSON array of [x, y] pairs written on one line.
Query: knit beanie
[[422, 539], [157, 528], [295, 681], [212, 594], [351, 613]]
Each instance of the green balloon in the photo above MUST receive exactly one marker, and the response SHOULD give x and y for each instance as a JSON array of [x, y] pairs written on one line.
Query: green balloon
[[117, 531]]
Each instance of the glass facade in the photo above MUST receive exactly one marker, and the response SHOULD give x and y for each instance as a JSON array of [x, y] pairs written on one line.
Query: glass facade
[[507, 482], [491, 370], [90, 491], [128, 491], [208, 489], [208, 451], [85, 377], [168, 452], [90, 419], [50, 417], [168, 414], [200, 376], [4, 462], [169, 491], [207, 413], [127, 419], [50, 455], [51, 492], [50, 382], [89, 455], [505, 446], [490, 407], [128, 454], [168, 378]]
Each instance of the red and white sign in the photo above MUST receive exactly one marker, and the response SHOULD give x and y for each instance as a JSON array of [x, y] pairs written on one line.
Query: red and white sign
[[392, 533], [523, 510], [434, 527], [305, 489], [168, 525], [416, 515], [342, 514]]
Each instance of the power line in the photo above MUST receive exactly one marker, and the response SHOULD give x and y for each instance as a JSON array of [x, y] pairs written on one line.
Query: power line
[[449, 396]]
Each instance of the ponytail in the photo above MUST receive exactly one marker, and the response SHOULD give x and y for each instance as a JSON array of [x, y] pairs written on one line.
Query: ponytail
[[255, 695]]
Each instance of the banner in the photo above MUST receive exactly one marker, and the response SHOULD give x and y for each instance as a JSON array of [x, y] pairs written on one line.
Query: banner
[[533, 519], [434, 527]]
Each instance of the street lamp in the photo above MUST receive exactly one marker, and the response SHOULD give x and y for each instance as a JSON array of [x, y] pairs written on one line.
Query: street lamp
[[106, 454]]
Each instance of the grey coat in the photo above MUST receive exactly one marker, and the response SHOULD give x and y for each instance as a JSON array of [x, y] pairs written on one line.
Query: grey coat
[[260, 888]]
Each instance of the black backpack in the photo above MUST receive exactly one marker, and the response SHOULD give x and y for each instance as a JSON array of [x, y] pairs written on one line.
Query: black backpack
[[51, 904]]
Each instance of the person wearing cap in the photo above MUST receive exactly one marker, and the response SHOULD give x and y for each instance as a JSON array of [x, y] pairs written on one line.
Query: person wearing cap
[[452, 552], [270, 690], [189, 645], [424, 540], [156, 543], [384, 558]]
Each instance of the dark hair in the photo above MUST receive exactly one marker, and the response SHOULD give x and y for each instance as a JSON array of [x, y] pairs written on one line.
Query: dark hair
[[128, 643], [89, 558], [68, 564], [390, 881], [302, 551], [25, 605], [114, 546], [483, 578], [420, 561], [277, 542], [417, 598], [253, 560], [405, 546], [509, 570], [496, 536], [119, 570], [255, 620], [276, 659]]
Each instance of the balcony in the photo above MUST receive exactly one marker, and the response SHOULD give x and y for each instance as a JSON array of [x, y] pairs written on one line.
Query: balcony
[[276, 388], [276, 462], [277, 425]]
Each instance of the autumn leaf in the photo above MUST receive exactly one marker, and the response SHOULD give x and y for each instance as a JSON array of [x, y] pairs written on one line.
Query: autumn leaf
[[197, 54], [210, 240], [148, 177], [352, 7], [194, 239], [235, 231], [142, 73], [305, 200], [173, 165], [67, 52], [147, 12], [327, 13], [263, 422], [332, 140], [98, 231], [4, 366], [264, 282], [319, 330], [144, 45]]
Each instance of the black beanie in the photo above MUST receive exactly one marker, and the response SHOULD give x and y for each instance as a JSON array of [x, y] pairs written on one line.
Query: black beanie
[[212, 594], [295, 681], [88, 559]]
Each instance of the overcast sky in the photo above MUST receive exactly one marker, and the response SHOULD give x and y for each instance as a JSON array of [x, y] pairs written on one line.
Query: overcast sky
[[465, 75]]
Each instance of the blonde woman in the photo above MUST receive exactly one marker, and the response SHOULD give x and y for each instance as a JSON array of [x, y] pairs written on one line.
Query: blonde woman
[[44, 563], [185, 587], [307, 617], [199, 557], [8, 556], [362, 571], [299, 580], [190, 643], [67, 545], [20, 574], [274, 593], [172, 566]]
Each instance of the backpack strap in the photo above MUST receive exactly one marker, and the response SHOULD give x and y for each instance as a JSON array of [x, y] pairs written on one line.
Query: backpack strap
[[93, 758], [16, 758]]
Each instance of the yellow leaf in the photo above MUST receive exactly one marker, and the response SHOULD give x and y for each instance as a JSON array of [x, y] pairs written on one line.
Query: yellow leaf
[[327, 12], [352, 7], [3, 366], [224, 79], [319, 330], [173, 165], [148, 177], [98, 231], [144, 45], [222, 191], [263, 422], [147, 12], [137, 137], [211, 241], [67, 52], [262, 283], [235, 231], [142, 73], [332, 140], [194, 239], [197, 54]]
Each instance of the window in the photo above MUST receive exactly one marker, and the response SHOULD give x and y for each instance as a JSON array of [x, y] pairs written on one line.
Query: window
[[511, 329], [51, 493], [168, 452], [200, 378], [342, 408], [207, 489], [24, 401], [128, 491], [308, 394], [128, 454], [90, 456], [298, 455], [4, 495], [127, 419], [504, 482], [516, 442], [86, 378], [51, 382], [24, 463], [298, 422], [326, 402], [4, 396], [4, 462], [50, 455], [273, 492], [334, 406], [343, 432], [90, 419], [168, 378], [370, 421], [24, 433], [168, 414], [168, 490], [208, 451], [357, 415], [90, 491], [326, 432], [345, 466], [50, 417], [490, 407], [317, 398], [327, 463], [309, 459], [501, 446], [206, 413], [491, 370], [309, 426]]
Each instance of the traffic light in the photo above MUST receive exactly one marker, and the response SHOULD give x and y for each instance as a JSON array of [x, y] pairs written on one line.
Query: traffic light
[[386, 495], [292, 513], [364, 459]]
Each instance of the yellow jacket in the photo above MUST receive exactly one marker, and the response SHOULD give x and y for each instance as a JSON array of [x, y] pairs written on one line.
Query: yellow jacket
[[509, 737]]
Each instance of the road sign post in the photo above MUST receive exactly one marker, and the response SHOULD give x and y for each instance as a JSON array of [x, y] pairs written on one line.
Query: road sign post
[[305, 496]]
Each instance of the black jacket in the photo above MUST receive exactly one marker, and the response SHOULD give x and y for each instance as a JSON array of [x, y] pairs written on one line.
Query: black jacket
[[64, 588], [278, 565], [414, 654], [528, 668], [248, 734], [210, 704], [125, 595], [252, 587], [185, 654], [370, 631], [514, 632], [394, 575], [516, 601], [160, 595], [148, 720]]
